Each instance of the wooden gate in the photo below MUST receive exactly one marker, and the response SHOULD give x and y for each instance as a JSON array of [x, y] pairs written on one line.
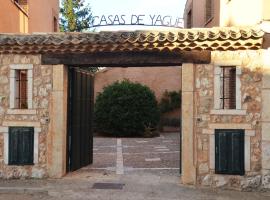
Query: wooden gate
[[80, 119]]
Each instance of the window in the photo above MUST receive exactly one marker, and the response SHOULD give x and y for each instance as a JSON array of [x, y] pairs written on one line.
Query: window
[[23, 4], [21, 146], [21, 89], [208, 10], [229, 152], [55, 24], [189, 19], [228, 87]]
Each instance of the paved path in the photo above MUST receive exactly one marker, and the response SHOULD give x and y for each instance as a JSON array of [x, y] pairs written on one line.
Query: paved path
[[139, 186], [129, 155]]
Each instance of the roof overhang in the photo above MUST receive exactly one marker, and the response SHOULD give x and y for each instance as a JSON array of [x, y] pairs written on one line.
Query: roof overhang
[[146, 48], [212, 39]]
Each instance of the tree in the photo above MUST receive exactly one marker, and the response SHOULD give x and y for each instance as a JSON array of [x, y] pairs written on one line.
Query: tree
[[75, 16]]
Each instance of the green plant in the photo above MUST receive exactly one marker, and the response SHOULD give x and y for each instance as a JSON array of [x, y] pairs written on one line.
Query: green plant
[[125, 109], [75, 16], [170, 101]]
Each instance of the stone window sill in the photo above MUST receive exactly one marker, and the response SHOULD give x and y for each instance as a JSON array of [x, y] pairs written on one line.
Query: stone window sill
[[21, 111], [228, 112]]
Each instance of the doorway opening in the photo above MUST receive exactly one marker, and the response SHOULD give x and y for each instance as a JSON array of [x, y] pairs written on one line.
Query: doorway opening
[[91, 151], [140, 58]]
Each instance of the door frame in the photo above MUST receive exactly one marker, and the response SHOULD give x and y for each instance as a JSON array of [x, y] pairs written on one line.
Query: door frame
[[188, 136]]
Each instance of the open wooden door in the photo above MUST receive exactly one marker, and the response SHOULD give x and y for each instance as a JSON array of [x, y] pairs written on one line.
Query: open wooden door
[[80, 119]]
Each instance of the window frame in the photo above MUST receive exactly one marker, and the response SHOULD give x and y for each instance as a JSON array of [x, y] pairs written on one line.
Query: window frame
[[238, 95], [55, 24], [211, 16], [13, 68], [189, 19], [5, 130], [223, 83], [249, 132]]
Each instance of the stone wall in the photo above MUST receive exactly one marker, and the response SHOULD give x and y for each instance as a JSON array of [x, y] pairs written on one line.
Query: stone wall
[[158, 79], [207, 119], [39, 117]]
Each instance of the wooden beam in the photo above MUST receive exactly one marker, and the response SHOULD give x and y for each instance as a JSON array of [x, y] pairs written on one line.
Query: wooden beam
[[128, 59]]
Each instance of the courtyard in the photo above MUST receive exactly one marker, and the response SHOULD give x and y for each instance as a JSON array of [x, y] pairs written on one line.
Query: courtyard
[[129, 155]]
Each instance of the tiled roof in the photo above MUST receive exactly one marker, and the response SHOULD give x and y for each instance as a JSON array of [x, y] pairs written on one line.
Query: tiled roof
[[221, 39]]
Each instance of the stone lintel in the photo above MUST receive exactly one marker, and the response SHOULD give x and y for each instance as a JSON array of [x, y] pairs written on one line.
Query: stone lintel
[[228, 112], [21, 112], [227, 62], [21, 123], [21, 66], [230, 126], [249, 133]]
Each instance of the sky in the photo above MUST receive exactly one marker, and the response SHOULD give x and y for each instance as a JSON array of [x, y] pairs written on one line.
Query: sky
[[148, 9]]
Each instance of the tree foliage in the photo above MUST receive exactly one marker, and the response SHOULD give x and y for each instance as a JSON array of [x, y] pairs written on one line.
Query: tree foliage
[[75, 16], [126, 109]]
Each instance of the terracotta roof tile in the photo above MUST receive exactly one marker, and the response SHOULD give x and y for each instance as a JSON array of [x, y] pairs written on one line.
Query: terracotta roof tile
[[222, 39]]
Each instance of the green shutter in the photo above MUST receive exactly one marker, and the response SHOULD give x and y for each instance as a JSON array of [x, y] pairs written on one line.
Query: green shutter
[[21, 145], [13, 145], [222, 161], [229, 152], [237, 152]]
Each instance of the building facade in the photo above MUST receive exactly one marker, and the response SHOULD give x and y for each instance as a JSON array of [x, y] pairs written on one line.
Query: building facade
[[225, 99], [214, 13], [29, 16]]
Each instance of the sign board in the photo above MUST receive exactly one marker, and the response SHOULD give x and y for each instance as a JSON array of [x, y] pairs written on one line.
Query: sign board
[[138, 20]]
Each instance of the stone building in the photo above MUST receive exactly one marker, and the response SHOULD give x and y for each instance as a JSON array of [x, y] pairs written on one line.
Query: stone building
[[225, 95], [29, 16]]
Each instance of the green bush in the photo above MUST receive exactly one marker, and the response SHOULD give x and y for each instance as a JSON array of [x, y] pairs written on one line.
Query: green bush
[[170, 101], [126, 109]]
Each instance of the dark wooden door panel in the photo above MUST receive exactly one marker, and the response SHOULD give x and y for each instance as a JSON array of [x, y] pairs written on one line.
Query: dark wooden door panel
[[80, 140]]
